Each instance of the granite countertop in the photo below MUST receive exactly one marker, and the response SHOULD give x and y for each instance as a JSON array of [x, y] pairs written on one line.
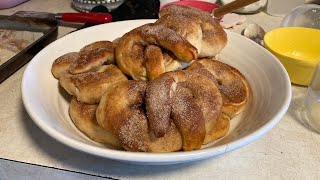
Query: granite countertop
[[289, 151]]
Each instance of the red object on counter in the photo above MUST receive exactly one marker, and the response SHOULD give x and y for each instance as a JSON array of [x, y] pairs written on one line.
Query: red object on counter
[[204, 6], [95, 18]]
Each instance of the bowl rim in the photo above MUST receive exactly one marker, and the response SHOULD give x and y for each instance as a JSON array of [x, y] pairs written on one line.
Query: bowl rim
[[282, 58], [152, 158]]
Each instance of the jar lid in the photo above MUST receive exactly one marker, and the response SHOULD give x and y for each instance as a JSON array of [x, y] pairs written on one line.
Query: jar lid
[[87, 5]]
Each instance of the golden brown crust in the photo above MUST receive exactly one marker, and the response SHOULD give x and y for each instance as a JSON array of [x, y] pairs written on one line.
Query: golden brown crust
[[89, 59], [84, 118], [61, 65], [155, 64], [121, 111], [188, 118], [220, 129], [232, 84], [187, 10], [89, 87], [176, 110], [186, 26], [197, 26], [93, 56], [131, 47], [190, 99]]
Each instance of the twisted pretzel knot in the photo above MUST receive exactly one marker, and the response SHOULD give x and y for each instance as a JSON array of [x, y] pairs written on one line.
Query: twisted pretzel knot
[[231, 83], [84, 74], [198, 27], [147, 51], [182, 111]]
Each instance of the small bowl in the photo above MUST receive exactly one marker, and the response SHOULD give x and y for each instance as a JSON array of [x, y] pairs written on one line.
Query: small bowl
[[298, 49]]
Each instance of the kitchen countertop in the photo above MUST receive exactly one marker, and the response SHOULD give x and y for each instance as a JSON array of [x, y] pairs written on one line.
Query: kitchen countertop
[[289, 151]]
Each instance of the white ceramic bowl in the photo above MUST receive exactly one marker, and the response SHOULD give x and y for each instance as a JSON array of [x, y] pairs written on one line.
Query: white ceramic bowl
[[47, 104]]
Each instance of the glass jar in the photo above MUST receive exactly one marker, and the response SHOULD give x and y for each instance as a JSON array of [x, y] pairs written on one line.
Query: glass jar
[[306, 15], [312, 101]]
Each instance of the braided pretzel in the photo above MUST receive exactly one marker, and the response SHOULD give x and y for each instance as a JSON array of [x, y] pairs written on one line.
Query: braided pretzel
[[190, 99], [121, 112], [89, 58], [219, 130], [197, 26], [84, 118], [184, 105], [89, 87], [93, 56], [232, 84], [133, 47], [61, 65]]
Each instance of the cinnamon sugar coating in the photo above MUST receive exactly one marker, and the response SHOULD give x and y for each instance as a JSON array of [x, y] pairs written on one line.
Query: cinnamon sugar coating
[[121, 110], [84, 118], [132, 50], [163, 109], [231, 83], [197, 26], [93, 56], [90, 86], [61, 65], [191, 100]]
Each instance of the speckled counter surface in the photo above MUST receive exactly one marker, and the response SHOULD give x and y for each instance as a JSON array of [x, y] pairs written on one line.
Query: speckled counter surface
[[289, 151]]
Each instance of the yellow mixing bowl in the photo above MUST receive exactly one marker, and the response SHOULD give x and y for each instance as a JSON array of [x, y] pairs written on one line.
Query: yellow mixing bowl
[[298, 49]]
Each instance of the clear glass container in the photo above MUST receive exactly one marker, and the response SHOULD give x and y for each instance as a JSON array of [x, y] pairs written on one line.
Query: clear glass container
[[282, 7], [312, 101], [307, 15]]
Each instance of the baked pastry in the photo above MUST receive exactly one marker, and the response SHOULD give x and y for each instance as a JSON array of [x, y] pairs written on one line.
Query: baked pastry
[[178, 110], [93, 56], [89, 58], [61, 65], [121, 111], [139, 53], [219, 130], [190, 100], [83, 117], [231, 83], [90, 86], [197, 26]]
